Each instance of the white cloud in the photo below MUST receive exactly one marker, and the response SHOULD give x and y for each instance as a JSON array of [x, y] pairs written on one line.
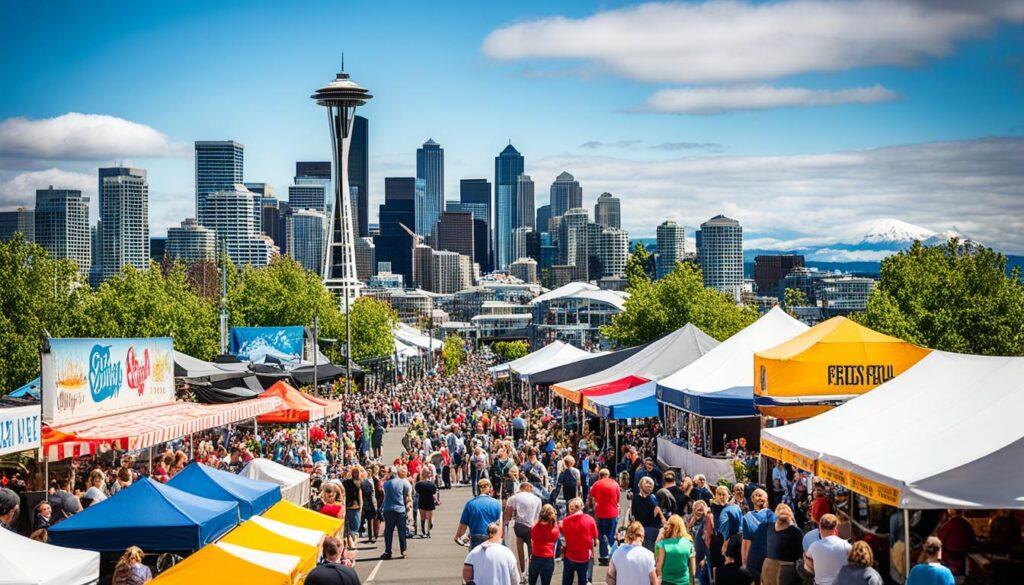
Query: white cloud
[[715, 100], [724, 41], [20, 190], [977, 185], [75, 136]]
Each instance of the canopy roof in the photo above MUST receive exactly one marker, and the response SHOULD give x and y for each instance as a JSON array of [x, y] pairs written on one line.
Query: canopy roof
[[325, 372], [637, 402], [29, 390], [262, 534], [721, 382], [556, 353], [414, 337], [150, 515], [965, 408], [289, 513], [253, 496], [145, 427], [564, 290], [294, 484], [29, 562], [186, 366], [584, 367], [659, 359], [228, 563], [297, 406], [827, 365]]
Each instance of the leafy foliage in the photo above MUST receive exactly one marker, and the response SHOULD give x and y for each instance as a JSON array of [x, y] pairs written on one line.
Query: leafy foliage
[[657, 308], [511, 350], [795, 297], [373, 325], [949, 298], [639, 266], [454, 354]]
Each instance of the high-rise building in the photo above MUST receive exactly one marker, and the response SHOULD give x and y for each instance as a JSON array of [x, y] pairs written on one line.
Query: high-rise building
[[770, 272], [612, 252], [481, 244], [21, 220], [124, 217], [274, 223], [307, 229], [219, 166], [341, 96], [525, 269], [608, 211], [264, 190], [521, 242], [359, 176], [452, 272], [475, 196], [157, 248], [62, 225], [671, 247], [566, 194], [229, 214], [525, 208], [308, 197], [508, 166], [365, 258], [454, 233], [397, 217], [720, 254], [191, 242], [429, 169], [543, 223], [572, 239]]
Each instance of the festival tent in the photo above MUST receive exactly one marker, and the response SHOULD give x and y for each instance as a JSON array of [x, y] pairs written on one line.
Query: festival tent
[[584, 367], [325, 372], [554, 354], [228, 563], [944, 434], [29, 390], [289, 513], [659, 359], [637, 402], [297, 406], [263, 534], [186, 366], [414, 337], [150, 515], [28, 562], [721, 383], [827, 365], [294, 484], [253, 496]]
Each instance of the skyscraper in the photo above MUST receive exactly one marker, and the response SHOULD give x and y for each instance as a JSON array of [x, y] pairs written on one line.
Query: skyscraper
[[543, 224], [566, 194], [572, 246], [341, 96], [229, 214], [21, 220], [475, 196], [508, 166], [359, 176], [124, 217], [612, 251], [62, 225], [526, 212], [770, 272], [671, 247], [366, 258], [191, 242], [307, 229], [429, 169], [308, 197], [219, 165], [721, 254], [273, 222], [608, 211], [394, 244], [454, 233]]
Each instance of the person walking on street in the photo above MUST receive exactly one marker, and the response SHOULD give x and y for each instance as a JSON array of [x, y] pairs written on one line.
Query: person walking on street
[[674, 553], [604, 501], [491, 563], [647, 512], [477, 515], [632, 563], [543, 537], [580, 532], [784, 549], [397, 503], [524, 509], [427, 499]]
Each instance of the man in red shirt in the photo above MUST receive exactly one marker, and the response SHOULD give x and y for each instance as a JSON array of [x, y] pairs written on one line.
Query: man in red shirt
[[604, 500], [580, 533]]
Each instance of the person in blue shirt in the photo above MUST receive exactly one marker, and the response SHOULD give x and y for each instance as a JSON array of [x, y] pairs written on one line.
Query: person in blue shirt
[[477, 514], [730, 518], [931, 571], [648, 469], [397, 503], [755, 541]]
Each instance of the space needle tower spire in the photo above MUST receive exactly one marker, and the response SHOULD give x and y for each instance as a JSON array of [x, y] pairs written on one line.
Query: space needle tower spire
[[341, 97]]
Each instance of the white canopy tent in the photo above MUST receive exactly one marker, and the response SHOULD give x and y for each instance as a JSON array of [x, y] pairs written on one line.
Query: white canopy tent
[[945, 433], [552, 355], [294, 484], [414, 337], [24, 561]]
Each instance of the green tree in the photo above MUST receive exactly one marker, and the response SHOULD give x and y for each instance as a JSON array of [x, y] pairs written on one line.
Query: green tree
[[511, 350], [795, 297], [655, 309], [38, 296], [454, 354], [373, 328], [639, 266], [950, 298]]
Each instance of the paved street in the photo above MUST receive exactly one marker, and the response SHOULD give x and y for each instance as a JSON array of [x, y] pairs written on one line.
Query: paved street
[[432, 561]]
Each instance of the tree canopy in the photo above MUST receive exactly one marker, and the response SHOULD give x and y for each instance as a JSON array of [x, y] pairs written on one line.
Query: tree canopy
[[511, 350], [373, 326], [639, 266], [454, 354], [951, 298], [657, 308]]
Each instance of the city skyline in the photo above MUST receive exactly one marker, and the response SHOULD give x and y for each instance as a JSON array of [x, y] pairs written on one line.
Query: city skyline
[[925, 129]]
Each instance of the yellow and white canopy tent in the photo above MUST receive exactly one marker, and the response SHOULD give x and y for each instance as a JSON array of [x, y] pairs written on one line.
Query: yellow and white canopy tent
[[267, 535], [288, 513], [226, 563]]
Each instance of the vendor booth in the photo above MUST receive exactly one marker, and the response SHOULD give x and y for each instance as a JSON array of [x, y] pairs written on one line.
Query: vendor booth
[[253, 496], [637, 402], [227, 563], [298, 406], [294, 484], [826, 366], [150, 515], [289, 513], [552, 355], [590, 365], [24, 561], [272, 536]]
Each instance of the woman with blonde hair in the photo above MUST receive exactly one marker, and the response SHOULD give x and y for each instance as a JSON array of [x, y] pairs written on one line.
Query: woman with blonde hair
[[333, 505], [130, 570], [702, 526], [97, 487], [785, 549], [859, 568], [632, 563], [676, 562]]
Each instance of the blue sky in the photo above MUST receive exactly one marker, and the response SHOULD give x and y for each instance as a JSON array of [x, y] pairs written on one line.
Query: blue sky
[[552, 77]]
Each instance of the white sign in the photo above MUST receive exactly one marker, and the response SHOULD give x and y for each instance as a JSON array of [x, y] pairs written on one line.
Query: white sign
[[20, 429], [83, 378]]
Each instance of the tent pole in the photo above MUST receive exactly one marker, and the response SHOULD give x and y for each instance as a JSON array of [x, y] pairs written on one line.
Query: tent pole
[[46, 471], [192, 446], [906, 544], [150, 461]]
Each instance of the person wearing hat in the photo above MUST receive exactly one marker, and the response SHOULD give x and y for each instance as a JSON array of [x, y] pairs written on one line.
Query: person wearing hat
[[10, 506]]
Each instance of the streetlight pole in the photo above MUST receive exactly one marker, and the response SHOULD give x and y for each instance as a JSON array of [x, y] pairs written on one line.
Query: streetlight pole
[[316, 348]]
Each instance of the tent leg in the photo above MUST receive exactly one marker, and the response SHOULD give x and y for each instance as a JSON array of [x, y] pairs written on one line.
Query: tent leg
[[46, 471], [151, 461], [906, 544], [255, 427], [192, 446]]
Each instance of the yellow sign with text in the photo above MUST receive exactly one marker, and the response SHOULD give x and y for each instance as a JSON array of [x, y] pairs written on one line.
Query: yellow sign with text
[[868, 488], [774, 451]]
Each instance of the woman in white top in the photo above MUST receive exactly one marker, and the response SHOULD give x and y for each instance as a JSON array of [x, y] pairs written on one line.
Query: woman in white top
[[632, 563], [97, 491]]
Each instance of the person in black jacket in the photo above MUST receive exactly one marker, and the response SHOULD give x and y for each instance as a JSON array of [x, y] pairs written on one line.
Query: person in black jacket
[[333, 571]]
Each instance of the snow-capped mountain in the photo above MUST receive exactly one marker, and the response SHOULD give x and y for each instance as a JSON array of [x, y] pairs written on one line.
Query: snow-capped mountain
[[891, 231]]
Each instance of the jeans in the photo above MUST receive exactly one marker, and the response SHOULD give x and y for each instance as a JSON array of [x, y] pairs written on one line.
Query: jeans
[[351, 521], [606, 528], [476, 540], [580, 570], [541, 570], [474, 477], [393, 520], [703, 576], [650, 536]]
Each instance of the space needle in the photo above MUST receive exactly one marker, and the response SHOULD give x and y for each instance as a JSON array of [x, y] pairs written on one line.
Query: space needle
[[341, 97]]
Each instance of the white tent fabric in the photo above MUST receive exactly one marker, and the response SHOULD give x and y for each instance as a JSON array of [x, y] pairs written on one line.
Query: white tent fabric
[[659, 359], [278, 563], [414, 337], [24, 561], [552, 355], [945, 433], [294, 484], [729, 366], [565, 290], [296, 533], [404, 350]]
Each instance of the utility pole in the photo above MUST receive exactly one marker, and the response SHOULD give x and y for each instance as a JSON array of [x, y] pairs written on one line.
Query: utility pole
[[223, 298], [316, 347]]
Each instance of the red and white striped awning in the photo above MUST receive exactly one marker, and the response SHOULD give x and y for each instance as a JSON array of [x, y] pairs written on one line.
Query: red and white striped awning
[[139, 429]]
